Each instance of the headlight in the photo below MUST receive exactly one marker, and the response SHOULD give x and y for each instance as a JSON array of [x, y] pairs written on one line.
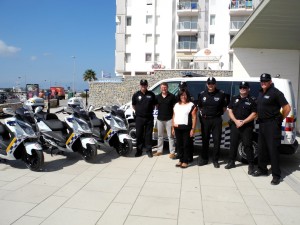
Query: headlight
[[117, 123]]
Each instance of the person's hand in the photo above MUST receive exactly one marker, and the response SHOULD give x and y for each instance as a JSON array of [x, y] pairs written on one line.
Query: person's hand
[[239, 123], [192, 132]]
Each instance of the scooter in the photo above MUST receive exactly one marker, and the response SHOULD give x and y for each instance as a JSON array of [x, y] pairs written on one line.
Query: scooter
[[111, 131], [19, 141], [71, 135]]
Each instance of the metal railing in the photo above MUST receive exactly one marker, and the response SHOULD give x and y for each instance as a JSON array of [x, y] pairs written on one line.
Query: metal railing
[[187, 25], [236, 25], [187, 5], [187, 45], [241, 4]]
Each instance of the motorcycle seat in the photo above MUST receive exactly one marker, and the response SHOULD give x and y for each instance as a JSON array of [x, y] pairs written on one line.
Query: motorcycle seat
[[55, 124]]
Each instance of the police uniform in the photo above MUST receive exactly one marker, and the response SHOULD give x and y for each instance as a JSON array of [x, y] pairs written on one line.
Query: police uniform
[[241, 109], [211, 105], [269, 104], [144, 105]]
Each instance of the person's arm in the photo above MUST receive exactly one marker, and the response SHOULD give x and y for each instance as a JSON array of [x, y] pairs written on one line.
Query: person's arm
[[250, 118], [285, 111], [173, 124], [194, 121]]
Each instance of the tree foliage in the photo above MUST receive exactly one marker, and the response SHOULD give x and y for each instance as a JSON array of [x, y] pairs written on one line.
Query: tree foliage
[[89, 75]]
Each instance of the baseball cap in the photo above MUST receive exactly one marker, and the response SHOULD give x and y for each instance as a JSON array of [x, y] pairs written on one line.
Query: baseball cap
[[211, 80], [143, 82], [244, 84], [265, 77]]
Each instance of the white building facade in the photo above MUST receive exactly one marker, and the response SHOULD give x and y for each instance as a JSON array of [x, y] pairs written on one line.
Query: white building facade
[[176, 34]]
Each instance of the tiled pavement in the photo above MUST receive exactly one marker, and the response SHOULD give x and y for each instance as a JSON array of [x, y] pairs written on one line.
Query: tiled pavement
[[144, 191]]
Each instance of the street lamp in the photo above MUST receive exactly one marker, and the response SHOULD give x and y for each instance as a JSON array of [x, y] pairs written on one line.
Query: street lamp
[[73, 57]]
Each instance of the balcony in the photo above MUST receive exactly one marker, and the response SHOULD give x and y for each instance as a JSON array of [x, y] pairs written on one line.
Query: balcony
[[187, 9], [235, 26], [187, 28], [241, 7], [187, 46]]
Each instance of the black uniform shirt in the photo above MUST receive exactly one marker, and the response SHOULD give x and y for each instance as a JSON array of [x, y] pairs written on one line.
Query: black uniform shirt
[[211, 104], [144, 103], [165, 106], [270, 103], [242, 107]]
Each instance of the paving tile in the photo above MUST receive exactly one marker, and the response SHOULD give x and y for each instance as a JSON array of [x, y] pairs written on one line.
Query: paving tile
[[53, 179], [222, 212], [86, 176], [47, 207], [11, 174], [138, 220], [72, 216], [90, 200], [105, 185], [156, 207], [115, 173], [266, 219], [169, 190], [190, 185], [257, 205], [3, 183], [247, 188], [217, 180], [190, 200], [28, 220], [224, 194], [109, 217], [165, 177], [12, 211], [32, 193], [287, 215], [282, 198], [265, 183], [136, 180], [18, 183], [69, 189], [239, 175], [127, 195], [190, 217]]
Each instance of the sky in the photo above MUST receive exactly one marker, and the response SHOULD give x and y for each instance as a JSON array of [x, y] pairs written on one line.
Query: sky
[[53, 42]]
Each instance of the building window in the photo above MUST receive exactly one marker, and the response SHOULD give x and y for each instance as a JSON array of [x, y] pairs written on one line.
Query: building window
[[148, 38], [127, 57], [157, 57], [157, 39], [128, 3], [148, 19], [128, 39], [211, 39], [212, 19], [128, 21], [149, 2], [148, 57]]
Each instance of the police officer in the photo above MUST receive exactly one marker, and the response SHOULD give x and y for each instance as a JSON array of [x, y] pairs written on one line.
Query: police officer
[[212, 104], [242, 112], [143, 102], [269, 103]]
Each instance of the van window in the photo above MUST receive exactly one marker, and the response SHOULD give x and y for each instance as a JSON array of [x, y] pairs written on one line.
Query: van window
[[254, 88], [195, 87], [173, 88]]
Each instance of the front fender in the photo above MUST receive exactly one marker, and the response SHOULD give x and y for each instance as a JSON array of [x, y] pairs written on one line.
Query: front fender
[[123, 136], [87, 140], [29, 146]]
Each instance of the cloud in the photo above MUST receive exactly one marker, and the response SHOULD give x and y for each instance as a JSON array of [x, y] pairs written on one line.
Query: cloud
[[6, 50], [33, 58], [46, 54]]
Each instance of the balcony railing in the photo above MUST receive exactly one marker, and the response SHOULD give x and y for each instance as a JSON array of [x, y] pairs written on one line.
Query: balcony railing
[[187, 5], [187, 25], [241, 4], [236, 25], [187, 45]]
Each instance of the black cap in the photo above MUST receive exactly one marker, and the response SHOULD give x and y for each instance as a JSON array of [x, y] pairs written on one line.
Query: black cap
[[265, 77], [244, 84], [143, 82], [211, 80]]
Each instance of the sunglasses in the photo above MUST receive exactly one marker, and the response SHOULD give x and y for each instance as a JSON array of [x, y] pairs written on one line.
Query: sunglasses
[[243, 87], [210, 83]]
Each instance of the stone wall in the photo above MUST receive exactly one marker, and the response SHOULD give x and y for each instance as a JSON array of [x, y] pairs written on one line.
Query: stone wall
[[121, 93]]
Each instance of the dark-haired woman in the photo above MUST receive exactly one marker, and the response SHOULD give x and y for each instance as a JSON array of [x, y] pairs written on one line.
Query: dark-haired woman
[[183, 125]]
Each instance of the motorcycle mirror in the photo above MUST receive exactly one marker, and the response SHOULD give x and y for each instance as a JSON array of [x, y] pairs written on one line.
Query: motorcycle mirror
[[38, 109]]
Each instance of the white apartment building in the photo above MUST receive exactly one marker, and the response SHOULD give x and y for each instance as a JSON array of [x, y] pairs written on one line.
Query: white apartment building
[[176, 34]]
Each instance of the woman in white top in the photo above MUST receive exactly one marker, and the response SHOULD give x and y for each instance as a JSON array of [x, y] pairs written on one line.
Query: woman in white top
[[183, 125]]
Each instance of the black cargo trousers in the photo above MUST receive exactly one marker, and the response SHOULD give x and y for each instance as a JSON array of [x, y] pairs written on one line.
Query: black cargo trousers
[[144, 128]]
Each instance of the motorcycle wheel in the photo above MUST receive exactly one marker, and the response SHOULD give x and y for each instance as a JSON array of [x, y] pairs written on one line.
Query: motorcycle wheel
[[90, 153], [132, 132], [124, 149], [35, 161]]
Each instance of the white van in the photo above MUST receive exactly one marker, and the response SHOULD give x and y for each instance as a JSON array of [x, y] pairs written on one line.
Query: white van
[[230, 86]]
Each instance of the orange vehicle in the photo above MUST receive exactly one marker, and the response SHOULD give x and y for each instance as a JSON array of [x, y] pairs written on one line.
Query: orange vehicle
[[57, 92]]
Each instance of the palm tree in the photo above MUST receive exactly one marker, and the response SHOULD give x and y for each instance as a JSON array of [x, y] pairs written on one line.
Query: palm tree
[[89, 75]]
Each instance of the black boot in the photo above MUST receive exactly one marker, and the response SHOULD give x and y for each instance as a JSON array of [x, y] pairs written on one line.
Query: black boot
[[250, 169], [230, 165]]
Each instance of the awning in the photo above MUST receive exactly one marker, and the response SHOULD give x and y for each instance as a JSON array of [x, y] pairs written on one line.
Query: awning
[[207, 55]]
